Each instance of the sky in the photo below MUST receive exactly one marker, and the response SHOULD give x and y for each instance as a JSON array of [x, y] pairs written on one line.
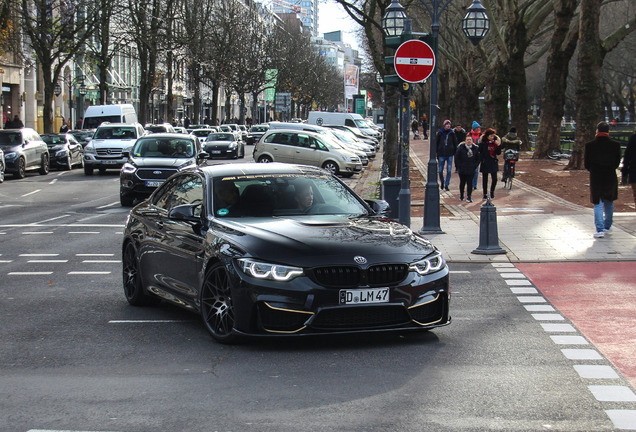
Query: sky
[[331, 17]]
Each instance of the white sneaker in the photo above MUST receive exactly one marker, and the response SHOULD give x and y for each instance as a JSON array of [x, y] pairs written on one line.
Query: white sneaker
[[599, 234], [608, 230]]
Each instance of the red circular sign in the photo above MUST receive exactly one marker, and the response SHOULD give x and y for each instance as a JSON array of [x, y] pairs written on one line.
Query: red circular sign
[[414, 61]]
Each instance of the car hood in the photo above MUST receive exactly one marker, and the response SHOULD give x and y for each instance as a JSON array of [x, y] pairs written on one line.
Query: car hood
[[120, 143], [162, 162], [309, 241]]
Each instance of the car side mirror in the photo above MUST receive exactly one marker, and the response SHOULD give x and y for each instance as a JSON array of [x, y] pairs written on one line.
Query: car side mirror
[[185, 212], [379, 207], [202, 156]]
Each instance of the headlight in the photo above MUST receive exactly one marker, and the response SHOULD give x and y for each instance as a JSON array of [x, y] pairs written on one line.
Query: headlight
[[128, 168], [10, 156], [61, 153], [262, 270], [428, 265], [89, 149], [186, 165], [232, 146], [355, 159]]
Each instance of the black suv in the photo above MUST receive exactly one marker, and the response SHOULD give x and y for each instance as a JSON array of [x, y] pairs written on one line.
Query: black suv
[[24, 150], [153, 159]]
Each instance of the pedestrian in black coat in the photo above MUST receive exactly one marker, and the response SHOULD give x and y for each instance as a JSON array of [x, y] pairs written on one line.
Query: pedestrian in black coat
[[466, 161], [601, 158]]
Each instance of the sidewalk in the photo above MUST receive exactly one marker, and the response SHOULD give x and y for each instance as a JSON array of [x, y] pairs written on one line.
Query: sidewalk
[[532, 225]]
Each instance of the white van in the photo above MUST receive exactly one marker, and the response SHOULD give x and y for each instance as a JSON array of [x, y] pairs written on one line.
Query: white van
[[98, 114], [321, 118]]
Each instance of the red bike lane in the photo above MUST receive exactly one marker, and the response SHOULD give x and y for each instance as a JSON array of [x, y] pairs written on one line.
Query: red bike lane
[[599, 298]]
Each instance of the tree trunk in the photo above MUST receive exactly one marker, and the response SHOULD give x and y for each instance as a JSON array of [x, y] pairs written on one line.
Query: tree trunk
[[215, 103], [561, 51], [499, 100], [588, 89], [517, 43]]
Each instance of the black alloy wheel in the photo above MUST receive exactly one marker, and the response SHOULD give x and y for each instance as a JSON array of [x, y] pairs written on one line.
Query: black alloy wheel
[[216, 305], [20, 171], [46, 165], [132, 281]]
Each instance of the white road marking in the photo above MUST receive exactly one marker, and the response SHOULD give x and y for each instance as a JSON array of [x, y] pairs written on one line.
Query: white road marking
[[101, 261], [84, 232], [109, 205], [48, 261], [29, 273], [89, 272], [53, 181], [94, 254], [145, 321], [39, 255], [36, 232], [31, 193]]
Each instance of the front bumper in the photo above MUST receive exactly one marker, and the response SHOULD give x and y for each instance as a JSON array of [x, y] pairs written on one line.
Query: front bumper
[[306, 308]]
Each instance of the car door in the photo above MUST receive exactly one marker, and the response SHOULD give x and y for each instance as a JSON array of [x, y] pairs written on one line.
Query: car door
[[306, 152], [75, 149], [175, 247], [282, 147], [31, 148]]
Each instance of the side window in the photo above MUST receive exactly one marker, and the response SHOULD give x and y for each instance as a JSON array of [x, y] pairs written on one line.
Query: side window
[[317, 144], [349, 122], [186, 189]]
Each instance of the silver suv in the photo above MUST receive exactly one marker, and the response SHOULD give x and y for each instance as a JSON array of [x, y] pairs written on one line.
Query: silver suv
[[105, 150], [24, 150], [306, 148]]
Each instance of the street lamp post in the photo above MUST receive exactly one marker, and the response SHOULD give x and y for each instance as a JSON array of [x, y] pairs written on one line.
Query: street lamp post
[[475, 25]]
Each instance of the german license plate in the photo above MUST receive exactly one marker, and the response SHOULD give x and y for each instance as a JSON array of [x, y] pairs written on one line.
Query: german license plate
[[109, 162], [364, 296], [153, 183], [216, 152]]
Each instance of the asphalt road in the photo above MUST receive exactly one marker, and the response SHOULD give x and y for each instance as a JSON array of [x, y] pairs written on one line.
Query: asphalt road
[[74, 356]]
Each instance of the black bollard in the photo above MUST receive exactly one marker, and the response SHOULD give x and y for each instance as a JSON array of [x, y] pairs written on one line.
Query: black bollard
[[488, 236]]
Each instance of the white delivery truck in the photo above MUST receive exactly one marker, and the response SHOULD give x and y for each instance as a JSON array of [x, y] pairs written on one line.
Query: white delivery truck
[[98, 114], [324, 118]]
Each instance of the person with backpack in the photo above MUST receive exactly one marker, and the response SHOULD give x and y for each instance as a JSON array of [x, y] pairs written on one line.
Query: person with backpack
[[466, 159]]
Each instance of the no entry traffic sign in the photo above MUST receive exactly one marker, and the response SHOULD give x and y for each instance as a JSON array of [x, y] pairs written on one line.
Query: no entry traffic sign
[[414, 61]]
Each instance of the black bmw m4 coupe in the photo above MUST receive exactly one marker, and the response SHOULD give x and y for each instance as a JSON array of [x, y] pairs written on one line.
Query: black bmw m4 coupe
[[280, 250]]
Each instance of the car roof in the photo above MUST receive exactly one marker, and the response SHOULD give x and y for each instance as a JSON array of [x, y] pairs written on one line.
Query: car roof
[[241, 169], [167, 135]]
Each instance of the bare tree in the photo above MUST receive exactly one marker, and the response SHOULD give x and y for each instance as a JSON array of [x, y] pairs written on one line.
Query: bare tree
[[55, 31], [592, 52]]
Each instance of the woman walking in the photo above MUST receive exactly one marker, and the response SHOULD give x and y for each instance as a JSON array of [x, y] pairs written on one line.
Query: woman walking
[[466, 160], [489, 148]]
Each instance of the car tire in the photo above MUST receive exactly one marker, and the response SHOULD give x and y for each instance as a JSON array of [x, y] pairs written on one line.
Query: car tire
[[126, 200], [88, 170], [331, 166], [217, 310], [265, 159], [46, 165], [133, 290], [20, 171]]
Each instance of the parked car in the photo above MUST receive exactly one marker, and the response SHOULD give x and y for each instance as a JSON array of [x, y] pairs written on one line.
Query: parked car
[[24, 150], [245, 134], [224, 144], [65, 151], [308, 148], [106, 149], [152, 160], [1, 166], [280, 250], [256, 132], [354, 130], [202, 133], [180, 129], [83, 136]]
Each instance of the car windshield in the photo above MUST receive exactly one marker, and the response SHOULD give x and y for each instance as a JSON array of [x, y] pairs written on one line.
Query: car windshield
[[220, 137], [283, 195], [156, 129], [259, 129], [10, 138], [54, 139], [201, 133], [163, 148], [115, 133]]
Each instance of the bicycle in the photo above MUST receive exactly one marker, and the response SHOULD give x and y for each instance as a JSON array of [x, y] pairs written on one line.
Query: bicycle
[[564, 152], [511, 156]]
